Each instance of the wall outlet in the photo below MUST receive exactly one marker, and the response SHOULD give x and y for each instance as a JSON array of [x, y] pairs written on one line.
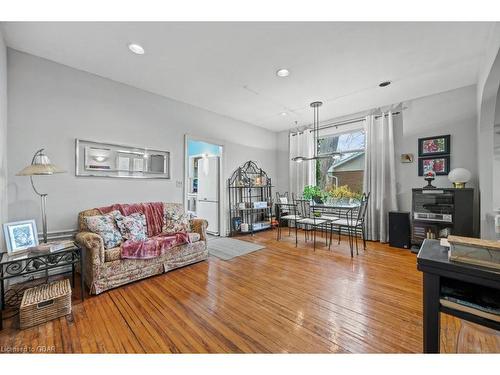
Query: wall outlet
[[178, 184]]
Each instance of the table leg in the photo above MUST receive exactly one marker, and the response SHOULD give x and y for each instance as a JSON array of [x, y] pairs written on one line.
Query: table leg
[[82, 283], [2, 301], [73, 275], [2, 297], [432, 322]]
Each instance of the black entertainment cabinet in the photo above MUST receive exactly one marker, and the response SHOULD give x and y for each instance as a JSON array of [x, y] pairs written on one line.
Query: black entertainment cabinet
[[439, 212]]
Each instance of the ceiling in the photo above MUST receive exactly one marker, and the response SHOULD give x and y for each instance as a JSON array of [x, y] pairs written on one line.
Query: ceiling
[[229, 68]]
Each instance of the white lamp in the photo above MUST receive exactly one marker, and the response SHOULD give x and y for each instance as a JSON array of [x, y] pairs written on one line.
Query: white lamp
[[40, 166], [459, 176]]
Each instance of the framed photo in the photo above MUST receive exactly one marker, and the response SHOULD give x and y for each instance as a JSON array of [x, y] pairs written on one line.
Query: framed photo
[[20, 235], [439, 164], [406, 158], [432, 146]]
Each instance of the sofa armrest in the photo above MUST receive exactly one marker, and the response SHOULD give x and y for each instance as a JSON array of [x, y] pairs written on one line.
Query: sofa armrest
[[93, 245], [200, 226]]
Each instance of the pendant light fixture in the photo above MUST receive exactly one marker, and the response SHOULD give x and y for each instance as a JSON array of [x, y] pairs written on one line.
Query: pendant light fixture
[[315, 106], [298, 159]]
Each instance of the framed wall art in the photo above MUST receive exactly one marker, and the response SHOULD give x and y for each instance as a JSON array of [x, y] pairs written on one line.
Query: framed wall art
[[406, 158], [20, 235], [439, 164], [432, 146]]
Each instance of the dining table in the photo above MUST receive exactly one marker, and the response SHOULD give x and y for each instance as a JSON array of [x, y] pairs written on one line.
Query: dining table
[[340, 209]]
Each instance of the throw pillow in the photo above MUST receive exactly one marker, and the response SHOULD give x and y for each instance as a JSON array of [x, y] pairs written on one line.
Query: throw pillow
[[176, 220], [105, 226], [132, 227]]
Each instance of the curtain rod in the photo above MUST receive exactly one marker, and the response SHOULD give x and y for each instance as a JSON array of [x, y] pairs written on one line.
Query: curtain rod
[[346, 122]]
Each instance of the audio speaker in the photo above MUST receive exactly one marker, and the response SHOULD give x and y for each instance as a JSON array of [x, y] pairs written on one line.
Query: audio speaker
[[399, 229]]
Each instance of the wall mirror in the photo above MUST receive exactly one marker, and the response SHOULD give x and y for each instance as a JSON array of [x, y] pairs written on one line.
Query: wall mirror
[[97, 159]]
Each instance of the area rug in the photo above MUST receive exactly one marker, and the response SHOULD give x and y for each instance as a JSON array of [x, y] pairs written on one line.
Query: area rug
[[228, 248]]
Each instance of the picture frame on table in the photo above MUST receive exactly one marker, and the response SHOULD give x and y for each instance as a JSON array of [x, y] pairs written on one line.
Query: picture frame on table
[[439, 164], [434, 146], [20, 235]]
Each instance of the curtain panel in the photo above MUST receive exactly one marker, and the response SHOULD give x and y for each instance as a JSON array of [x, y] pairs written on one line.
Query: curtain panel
[[301, 173], [379, 175]]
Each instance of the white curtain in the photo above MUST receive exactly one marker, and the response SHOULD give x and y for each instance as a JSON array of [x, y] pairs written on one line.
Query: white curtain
[[379, 175], [303, 173]]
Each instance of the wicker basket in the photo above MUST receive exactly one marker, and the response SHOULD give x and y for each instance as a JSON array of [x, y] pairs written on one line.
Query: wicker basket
[[45, 302]]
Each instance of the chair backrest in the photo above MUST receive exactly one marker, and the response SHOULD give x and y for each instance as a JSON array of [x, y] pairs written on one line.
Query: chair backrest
[[303, 207], [363, 208], [285, 209], [282, 198]]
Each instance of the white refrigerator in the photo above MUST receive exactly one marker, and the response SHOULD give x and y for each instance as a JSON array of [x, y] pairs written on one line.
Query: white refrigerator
[[207, 206]]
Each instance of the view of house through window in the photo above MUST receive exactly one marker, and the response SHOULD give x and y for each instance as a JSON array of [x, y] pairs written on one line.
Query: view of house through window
[[346, 169]]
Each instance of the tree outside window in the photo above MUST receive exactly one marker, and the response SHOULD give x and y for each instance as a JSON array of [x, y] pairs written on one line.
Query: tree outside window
[[348, 169]]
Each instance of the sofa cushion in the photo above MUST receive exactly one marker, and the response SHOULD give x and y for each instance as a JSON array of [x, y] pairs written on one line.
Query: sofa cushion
[[176, 219], [132, 227], [194, 237], [115, 252], [82, 223], [112, 254], [105, 226]]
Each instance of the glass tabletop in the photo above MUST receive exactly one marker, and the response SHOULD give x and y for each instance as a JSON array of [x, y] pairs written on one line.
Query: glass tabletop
[[30, 254], [337, 205]]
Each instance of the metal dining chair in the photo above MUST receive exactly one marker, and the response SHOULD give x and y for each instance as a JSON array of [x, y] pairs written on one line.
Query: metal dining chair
[[282, 198], [354, 222], [331, 215], [310, 220], [288, 212]]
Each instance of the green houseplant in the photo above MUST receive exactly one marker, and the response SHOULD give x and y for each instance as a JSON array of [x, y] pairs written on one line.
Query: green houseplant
[[313, 193], [344, 194]]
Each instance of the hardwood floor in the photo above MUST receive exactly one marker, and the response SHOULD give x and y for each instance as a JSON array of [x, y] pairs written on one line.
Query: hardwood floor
[[279, 299]]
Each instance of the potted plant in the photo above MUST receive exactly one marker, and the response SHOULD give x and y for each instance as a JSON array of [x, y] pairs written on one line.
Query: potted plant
[[344, 195], [313, 193]]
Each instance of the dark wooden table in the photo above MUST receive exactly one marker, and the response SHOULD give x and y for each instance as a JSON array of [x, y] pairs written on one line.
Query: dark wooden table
[[433, 261], [12, 266]]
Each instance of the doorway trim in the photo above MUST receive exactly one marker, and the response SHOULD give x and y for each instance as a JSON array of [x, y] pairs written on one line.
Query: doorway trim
[[222, 196]]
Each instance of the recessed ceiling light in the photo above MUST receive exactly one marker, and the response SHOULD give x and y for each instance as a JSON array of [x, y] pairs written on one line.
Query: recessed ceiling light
[[384, 84], [284, 113], [283, 72], [136, 48]]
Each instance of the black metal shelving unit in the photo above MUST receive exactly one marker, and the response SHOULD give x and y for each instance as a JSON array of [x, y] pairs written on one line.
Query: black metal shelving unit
[[249, 186]]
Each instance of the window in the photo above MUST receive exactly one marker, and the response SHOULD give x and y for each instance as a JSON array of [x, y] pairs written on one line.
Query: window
[[347, 169]]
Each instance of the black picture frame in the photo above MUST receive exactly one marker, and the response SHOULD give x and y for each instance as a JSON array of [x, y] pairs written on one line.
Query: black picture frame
[[442, 173], [447, 146]]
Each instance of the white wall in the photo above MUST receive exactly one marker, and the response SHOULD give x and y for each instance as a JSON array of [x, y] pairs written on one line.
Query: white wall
[[50, 105], [487, 90], [3, 136], [451, 112], [496, 155]]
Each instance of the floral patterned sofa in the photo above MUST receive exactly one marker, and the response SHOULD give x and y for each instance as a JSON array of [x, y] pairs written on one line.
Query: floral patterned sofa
[[104, 269]]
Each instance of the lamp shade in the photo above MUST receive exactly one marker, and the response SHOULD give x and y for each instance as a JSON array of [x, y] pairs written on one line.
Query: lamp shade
[[39, 169], [459, 176], [40, 165]]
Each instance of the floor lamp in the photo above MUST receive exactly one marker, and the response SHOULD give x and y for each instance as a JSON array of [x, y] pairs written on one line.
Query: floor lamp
[[40, 166]]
